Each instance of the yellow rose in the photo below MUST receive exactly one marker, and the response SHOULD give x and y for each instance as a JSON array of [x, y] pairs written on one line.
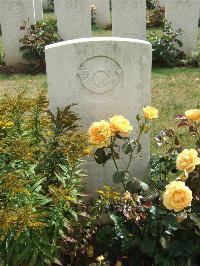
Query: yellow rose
[[193, 115], [187, 160], [99, 134], [150, 112], [120, 125], [100, 258], [177, 196]]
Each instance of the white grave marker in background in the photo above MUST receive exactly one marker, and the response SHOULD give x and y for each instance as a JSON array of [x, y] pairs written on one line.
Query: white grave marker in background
[[184, 14], [38, 10], [129, 19], [15, 13], [73, 18], [102, 16]]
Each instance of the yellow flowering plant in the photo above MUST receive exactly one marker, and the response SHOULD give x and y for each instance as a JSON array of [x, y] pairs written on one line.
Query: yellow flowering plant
[[41, 179], [113, 139], [158, 223]]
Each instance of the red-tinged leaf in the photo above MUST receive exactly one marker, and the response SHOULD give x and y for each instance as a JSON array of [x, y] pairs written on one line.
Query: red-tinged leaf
[[180, 117], [70, 240], [148, 204], [182, 124]]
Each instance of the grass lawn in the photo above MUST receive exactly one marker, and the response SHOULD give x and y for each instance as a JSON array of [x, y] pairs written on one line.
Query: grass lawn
[[173, 90]]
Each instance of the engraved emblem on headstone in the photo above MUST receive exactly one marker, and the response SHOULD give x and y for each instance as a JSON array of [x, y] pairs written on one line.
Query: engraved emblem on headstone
[[100, 74]]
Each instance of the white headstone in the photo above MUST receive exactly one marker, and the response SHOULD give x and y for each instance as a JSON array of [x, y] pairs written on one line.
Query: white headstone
[[161, 3], [73, 18], [105, 76], [15, 14], [38, 10], [129, 19], [184, 14], [102, 16]]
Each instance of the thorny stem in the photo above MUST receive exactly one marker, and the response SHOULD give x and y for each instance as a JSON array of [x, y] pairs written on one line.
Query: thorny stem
[[131, 155], [113, 157], [112, 152], [198, 133]]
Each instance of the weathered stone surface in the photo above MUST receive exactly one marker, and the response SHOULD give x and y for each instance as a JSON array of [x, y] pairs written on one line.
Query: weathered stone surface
[[15, 13], [184, 14], [102, 11], [73, 18], [129, 19], [105, 76], [161, 3], [38, 10]]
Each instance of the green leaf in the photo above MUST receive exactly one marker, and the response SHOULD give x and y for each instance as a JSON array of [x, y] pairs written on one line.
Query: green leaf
[[148, 246], [136, 185], [127, 148], [56, 261], [150, 195], [139, 147], [138, 117], [130, 186], [120, 228], [100, 156], [121, 137], [34, 257], [37, 184], [118, 176]]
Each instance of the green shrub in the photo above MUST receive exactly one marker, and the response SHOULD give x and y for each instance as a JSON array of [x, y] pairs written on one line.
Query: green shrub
[[93, 15], [166, 47], [193, 61], [40, 179], [151, 4], [34, 42], [2, 56], [50, 7], [156, 17], [156, 223]]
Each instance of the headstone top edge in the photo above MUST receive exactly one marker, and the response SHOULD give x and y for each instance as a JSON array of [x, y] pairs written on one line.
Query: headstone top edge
[[97, 39]]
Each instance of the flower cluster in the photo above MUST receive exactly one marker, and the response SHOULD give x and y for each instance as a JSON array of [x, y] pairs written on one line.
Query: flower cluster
[[177, 195], [6, 124], [100, 133]]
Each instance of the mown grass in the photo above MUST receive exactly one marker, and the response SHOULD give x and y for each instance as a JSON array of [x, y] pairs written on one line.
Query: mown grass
[[173, 91]]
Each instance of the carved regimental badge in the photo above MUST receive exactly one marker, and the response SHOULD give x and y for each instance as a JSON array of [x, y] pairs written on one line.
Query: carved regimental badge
[[100, 74]]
